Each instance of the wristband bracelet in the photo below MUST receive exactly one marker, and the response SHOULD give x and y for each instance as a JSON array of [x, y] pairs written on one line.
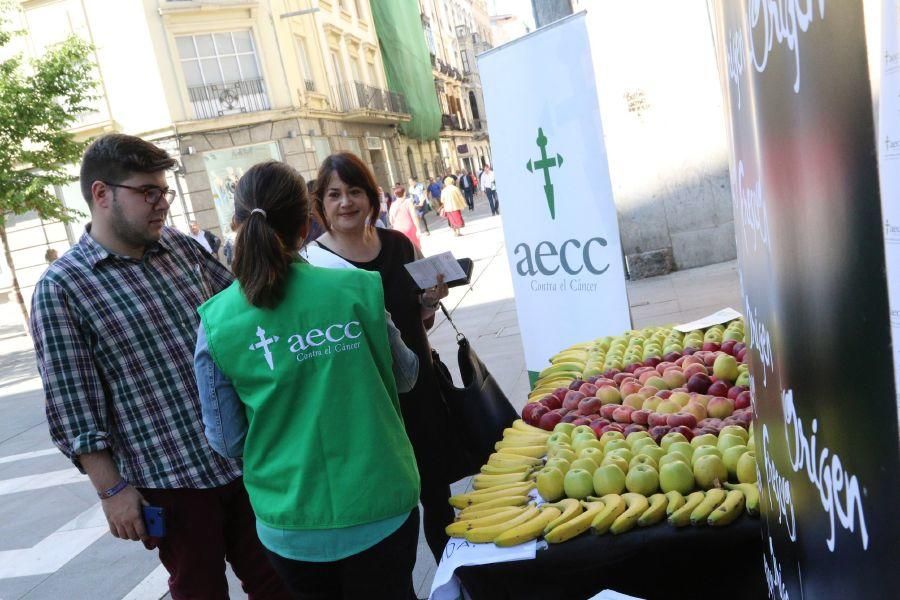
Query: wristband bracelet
[[113, 490]]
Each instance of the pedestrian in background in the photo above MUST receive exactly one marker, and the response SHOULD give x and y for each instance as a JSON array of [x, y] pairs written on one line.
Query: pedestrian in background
[[467, 186], [434, 194], [114, 323], [335, 498], [403, 216], [417, 194], [453, 203], [207, 239], [489, 185], [346, 197]]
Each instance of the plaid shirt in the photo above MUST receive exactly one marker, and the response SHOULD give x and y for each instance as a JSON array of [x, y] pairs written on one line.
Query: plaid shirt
[[115, 340]]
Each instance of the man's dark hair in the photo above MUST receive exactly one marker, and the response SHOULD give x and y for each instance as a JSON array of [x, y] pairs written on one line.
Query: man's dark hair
[[115, 156]]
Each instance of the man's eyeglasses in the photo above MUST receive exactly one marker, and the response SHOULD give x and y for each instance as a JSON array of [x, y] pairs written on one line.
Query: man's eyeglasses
[[152, 195]]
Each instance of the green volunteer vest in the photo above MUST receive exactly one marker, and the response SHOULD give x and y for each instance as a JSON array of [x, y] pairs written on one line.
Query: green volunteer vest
[[325, 447]]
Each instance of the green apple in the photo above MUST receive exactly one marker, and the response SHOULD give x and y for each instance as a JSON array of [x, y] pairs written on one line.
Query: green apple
[[578, 484], [730, 457], [560, 452], [654, 452], [642, 479], [743, 379], [710, 471], [704, 451], [651, 403], [560, 463], [609, 479], [559, 437], [586, 464], [595, 454], [735, 430], [746, 467], [609, 395], [670, 438], [635, 436], [725, 367], [728, 440], [673, 457], [581, 443], [658, 382], [585, 429], [642, 459], [616, 445], [680, 398], [642, 443], [668, 407], [676, 476], [610, 436], [615, 459], [564, 428], [550, 484], [683, 448], [623, 452], [707, 439]]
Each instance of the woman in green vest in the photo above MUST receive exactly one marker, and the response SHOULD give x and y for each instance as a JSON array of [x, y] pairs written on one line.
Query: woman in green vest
[[298, 369]]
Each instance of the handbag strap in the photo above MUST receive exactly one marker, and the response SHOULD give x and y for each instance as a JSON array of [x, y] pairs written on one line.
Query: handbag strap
[[459, 335]]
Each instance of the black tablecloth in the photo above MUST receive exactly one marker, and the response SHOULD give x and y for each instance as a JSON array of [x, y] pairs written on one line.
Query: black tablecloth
[[659, 562]]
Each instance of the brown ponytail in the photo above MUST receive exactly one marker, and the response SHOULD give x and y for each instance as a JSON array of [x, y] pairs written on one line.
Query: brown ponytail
[[270, 209]]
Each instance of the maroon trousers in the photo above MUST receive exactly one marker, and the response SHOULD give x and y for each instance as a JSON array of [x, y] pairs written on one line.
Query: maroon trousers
[[204, 528]]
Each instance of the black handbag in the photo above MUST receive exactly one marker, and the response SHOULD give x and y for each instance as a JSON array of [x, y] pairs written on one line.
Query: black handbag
[[479, 411]]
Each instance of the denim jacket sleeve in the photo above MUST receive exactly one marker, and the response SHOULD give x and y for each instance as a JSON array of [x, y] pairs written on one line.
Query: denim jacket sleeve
[[406, 363], [224, 420]]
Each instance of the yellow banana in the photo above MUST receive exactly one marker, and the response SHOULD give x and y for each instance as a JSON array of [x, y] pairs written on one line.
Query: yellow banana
[[751, 496], [714, 498], [655, 513], [570, 508], [575, 368], [529, 530], [482, 481], [614, 506], [676, 501], [728, 511], [575, 526], [537, 451], [514, 442], [480, 496], [521, 425], [506, 460], [484, 535], [682, 516], [495, 470], [530, 432], [635, 504], [504, 501], [477, 514], [458, 528], [496, 488]]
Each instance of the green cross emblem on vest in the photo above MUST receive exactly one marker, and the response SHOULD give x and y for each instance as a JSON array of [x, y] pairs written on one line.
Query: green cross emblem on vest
[[545, 163]]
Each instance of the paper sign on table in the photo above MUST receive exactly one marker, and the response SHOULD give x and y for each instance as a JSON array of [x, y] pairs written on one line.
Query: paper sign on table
[[426, 270], [722, 316], [461, 553]]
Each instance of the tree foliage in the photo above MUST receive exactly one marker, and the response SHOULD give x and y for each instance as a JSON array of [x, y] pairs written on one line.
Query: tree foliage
[[39, 100]]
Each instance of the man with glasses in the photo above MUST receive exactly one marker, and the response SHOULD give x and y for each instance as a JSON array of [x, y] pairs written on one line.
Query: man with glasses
[[114, 323]]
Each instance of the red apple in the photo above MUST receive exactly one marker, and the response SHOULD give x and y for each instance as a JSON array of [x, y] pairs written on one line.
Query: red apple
[[745, 419], [697, 383], [647, 391], [604, 382], [623, 414], [687, 432], [718, 388], [630, 368], [680, 419], [616, 427], [569, 417], [694, 369], [597, 425], [631, 386], [560, 393], [572, 399], [720, 407], [588, 389], [728, 346], [672, 356], [632, 428], [664, 394], [575, 384], [593, 378], [581, 421], [611, 373], [551, 402], [739, 346], [589, 406], [661, 367], [741, 356], [640, 416], [743, 400], [641, 370], [620, 377], [733, 391], [652, 361], [656, 419], [607, 410], [658, 432], [711, 346], [533, 412], [689, 351], [549, 420]]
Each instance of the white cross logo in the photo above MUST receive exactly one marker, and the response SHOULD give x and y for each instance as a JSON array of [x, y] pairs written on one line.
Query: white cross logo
[[264, 344]]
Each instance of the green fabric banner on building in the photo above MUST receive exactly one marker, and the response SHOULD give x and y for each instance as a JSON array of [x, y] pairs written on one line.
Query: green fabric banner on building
[[408, 65]]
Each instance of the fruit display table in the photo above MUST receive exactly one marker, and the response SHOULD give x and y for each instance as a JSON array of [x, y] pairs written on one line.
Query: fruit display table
[[657, 562]]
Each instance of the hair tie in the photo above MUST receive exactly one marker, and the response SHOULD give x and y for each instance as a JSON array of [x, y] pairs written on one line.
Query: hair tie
[[260, 211]]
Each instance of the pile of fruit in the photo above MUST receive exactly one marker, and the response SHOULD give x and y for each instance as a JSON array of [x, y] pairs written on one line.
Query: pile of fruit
[[607, 450]]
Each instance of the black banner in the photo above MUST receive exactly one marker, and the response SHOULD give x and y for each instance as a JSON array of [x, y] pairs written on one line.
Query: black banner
[[811, 254]]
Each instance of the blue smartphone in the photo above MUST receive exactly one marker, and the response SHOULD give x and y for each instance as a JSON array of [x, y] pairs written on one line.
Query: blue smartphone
[[154, 521]]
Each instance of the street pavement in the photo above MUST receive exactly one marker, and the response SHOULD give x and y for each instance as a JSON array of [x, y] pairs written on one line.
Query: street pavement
[[54, 542]]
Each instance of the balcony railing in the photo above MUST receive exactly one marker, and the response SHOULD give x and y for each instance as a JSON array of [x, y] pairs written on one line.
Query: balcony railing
[[452, 122], [235, 97], [357, 95]]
